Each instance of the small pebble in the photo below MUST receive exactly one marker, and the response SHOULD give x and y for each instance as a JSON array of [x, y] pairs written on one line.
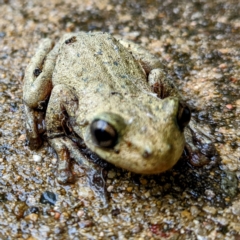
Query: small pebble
[[80, 213], [185, 213], [111, 174], [236, 208], [182, 231], [223, 221], [110, 188], [223, 65], [48, 197], [37, 158], [233, 79], [22, 137], [19, 209], [136, 229], [194, 211], [30, 238], [229, 106], [115, 212], [143, 181], [209, 193], [57, 215], [64, 216], [54, 161], [31, 210], [232, 167], [84, 224], [33, 217], [210, 210], [147, 194]]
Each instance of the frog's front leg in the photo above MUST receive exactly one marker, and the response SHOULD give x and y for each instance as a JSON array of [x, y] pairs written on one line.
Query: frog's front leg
[[61, 111], [199, 145], [200, 148], [62, 105], [37, 88]]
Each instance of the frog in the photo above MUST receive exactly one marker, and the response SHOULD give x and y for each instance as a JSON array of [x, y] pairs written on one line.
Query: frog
[[111, 93]]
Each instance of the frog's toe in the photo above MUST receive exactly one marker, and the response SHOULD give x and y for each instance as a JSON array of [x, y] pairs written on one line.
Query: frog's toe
[[34, 143], [65, 176]]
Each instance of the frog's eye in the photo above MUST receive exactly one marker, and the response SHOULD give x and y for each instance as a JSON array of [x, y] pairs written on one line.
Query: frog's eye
[[184, 116], [103, 133]]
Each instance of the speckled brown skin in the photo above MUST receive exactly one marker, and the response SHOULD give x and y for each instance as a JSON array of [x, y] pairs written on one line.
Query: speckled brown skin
[[93, 75]]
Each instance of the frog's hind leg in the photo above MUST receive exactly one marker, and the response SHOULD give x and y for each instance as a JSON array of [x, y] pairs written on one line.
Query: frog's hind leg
[[147, 60], [38, 75], [37, 88], [153, 68]]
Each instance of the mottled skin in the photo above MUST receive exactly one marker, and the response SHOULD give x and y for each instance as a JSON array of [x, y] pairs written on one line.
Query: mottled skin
[[92, 76]]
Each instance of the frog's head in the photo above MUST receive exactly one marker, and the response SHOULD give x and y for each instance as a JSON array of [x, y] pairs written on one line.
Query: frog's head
[[145, 140]]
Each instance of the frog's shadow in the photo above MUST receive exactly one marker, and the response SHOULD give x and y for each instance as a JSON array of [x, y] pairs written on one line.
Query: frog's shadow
[[210, 184]]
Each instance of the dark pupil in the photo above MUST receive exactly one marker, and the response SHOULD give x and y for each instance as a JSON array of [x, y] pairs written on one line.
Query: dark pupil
[[103, 133]]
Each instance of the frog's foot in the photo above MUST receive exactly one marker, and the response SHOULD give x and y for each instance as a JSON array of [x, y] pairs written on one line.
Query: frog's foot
[[66, 150], [64, 174], [200, 148], [94, 173], [35, 127]]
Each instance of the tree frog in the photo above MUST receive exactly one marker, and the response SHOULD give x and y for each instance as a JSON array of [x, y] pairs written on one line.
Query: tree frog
[[111, 93]]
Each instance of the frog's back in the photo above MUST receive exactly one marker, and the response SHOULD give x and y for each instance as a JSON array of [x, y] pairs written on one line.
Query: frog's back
[[97, 62]]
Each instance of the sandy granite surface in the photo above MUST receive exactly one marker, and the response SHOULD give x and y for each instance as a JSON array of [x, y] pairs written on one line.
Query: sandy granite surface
[[199, 44]]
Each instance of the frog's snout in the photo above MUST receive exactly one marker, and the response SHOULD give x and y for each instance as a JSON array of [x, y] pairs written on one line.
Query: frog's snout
[[183, 115]]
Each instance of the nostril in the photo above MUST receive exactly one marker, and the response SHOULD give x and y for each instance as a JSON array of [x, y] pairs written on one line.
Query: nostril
[[147, 152], [183, 116]]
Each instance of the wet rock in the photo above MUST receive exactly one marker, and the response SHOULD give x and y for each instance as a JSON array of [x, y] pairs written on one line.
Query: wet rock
[[48, 197]]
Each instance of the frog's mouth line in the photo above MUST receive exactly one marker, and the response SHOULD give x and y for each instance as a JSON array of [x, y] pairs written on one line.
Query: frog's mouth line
[[86, 151]]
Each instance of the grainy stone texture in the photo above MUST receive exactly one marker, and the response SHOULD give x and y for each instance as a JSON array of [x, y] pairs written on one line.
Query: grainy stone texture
[[198, 42]]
